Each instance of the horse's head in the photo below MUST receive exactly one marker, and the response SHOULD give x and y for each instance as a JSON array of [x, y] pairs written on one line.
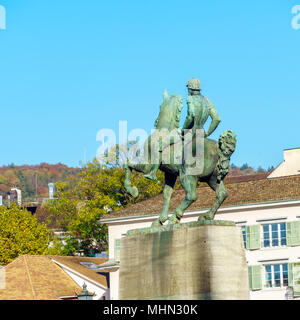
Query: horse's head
[[170, 110]]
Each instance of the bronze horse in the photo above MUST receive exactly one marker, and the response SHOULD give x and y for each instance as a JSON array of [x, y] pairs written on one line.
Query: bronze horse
[[215, 167]]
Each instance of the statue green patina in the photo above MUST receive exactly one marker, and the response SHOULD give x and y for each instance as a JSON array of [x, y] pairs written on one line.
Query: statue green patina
[[168, 139]]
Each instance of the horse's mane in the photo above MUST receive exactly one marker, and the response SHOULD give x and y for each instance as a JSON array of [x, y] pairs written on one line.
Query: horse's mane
[[179, 106], [178, 113]]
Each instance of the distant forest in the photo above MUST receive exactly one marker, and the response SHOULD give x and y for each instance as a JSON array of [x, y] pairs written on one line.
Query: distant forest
[[33, 179], [246, 169]]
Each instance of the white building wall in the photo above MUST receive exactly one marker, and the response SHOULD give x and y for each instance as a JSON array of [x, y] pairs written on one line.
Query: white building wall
[[92, 286], [114, 285], [19, 195], [290, 166]]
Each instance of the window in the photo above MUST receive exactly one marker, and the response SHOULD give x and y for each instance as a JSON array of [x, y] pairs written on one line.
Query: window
[[117, 249], [274, 235], [276, 275]]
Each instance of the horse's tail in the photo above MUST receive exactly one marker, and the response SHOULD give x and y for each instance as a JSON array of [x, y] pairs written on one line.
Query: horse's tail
[[227, 143]]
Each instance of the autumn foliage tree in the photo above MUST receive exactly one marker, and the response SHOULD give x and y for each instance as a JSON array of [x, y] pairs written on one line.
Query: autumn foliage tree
[[20, 233], [33, 179], [98, 191]]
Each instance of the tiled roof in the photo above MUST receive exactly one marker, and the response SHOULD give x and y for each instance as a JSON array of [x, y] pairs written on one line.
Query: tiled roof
[[39, 278], [246, 177], [36, 278], [242, 190], [74, 264]]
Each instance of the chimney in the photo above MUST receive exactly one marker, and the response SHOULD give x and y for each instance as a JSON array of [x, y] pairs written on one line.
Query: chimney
[[51, 190]]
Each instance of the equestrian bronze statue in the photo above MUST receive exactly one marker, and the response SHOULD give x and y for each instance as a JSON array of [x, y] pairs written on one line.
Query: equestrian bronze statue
[[187, 153]]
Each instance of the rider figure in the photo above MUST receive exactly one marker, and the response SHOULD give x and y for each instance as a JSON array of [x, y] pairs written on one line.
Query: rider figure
[[199, 109]]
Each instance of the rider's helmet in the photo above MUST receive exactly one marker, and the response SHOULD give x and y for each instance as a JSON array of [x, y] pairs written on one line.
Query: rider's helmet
[[193, 84]]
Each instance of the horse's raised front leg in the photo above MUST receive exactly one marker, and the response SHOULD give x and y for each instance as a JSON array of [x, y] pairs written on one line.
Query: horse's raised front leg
[[189, 184], [139, 167], [170, 180], [221, 195], [133, 191]]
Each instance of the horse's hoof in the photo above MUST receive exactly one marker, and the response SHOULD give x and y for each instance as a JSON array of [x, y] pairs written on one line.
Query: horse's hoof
[[204, 217], [173, 220], [135, 192], [156, 223]]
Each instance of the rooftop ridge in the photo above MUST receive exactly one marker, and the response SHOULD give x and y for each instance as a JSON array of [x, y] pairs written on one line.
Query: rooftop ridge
[[252, 191], [29, 277]]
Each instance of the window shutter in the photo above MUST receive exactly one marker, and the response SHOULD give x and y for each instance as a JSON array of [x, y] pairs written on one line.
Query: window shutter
[[248, 237], [253, 237], [250, 277], [296, 279], [290, 274], [117, 249], [254, 274], [293, 233]]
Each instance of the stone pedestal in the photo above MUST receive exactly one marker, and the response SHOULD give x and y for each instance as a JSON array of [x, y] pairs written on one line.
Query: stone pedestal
[[186, 261]]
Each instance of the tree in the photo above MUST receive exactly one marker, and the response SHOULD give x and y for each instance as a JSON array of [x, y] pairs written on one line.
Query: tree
[[60, 212], [20, 233], [260, 170], [97, 191], [244, 166]]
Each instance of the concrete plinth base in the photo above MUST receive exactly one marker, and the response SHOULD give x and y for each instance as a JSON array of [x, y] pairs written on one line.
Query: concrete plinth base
[[187, 261]]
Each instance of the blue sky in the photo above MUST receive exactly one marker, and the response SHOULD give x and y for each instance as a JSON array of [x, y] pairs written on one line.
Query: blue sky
[[69, 68]]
